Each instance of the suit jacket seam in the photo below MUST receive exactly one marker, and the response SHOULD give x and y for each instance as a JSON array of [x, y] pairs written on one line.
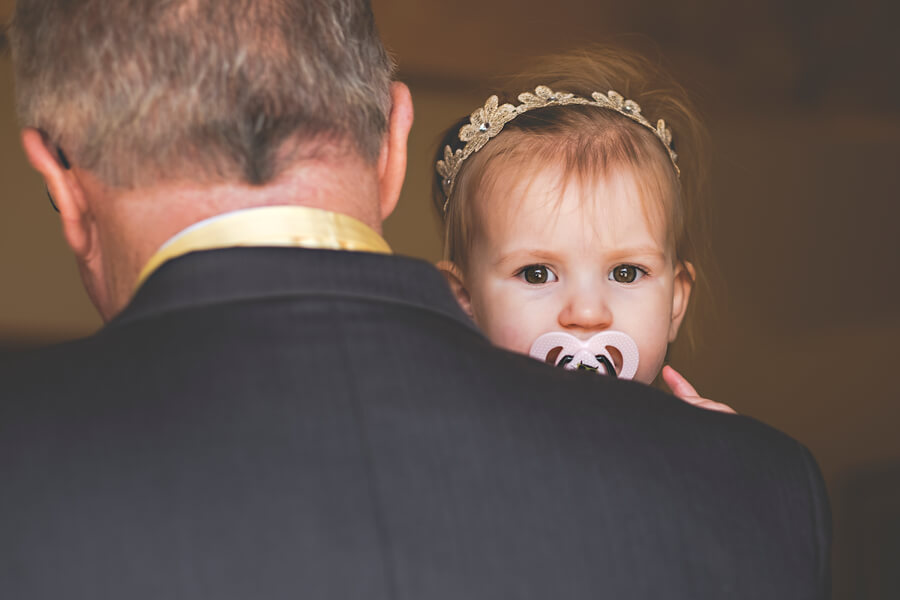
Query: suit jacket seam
[[388, 560]]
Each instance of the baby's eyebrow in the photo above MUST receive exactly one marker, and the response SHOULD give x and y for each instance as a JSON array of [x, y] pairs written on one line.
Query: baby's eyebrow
[[642, 251], [649, 253], [532, 254]]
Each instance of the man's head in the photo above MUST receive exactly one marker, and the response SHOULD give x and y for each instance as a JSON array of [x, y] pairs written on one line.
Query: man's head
[[146, 116], [146, 90]]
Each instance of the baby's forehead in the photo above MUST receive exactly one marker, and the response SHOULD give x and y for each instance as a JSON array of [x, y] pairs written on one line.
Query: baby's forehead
[[511, 187]]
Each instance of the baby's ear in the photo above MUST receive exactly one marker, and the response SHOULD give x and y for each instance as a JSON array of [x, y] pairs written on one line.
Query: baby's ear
[[454, 277], [685, 275]]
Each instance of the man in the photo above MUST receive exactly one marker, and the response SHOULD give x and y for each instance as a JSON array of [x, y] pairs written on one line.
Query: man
[[279, 408]]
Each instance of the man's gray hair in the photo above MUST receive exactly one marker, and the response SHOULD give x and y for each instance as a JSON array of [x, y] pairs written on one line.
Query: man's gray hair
[[202, 90]]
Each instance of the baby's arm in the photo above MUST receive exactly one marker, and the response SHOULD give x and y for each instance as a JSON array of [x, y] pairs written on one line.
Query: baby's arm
[[684, 390]]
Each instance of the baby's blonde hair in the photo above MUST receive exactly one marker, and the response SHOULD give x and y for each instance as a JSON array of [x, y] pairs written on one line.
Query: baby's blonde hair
[[586, 141]]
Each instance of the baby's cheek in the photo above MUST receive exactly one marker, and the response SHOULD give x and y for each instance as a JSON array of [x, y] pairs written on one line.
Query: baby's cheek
[[648, 370], [506, 325], [652, 357], [511, 334], [651, 335]]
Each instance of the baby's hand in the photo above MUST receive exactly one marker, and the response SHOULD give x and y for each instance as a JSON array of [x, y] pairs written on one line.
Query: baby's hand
[[684, 390]]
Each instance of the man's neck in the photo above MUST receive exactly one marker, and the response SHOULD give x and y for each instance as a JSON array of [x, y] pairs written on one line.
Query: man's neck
[[133, 224]]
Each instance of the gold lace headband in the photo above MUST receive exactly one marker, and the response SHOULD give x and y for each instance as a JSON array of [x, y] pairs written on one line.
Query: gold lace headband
[[488, 121]]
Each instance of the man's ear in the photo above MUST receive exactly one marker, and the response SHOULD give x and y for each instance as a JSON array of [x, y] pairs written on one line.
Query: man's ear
[[78, 222], [392, 159], [685, 275], [454, 277], [65, 189]]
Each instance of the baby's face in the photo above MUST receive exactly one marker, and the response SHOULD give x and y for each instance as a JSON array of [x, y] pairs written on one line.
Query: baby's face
[[580, 260]]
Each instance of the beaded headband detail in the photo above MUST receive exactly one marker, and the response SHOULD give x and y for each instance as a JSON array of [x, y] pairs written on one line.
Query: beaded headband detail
[[488, 121]]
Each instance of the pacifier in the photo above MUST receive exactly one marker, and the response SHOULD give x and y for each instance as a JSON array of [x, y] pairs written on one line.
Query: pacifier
[[608, 352]]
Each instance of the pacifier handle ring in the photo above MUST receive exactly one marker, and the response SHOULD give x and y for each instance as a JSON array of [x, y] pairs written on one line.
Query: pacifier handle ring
[[610, 368]]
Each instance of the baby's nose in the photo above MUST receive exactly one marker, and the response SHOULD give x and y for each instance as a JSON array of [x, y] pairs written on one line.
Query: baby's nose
[[586, 312]]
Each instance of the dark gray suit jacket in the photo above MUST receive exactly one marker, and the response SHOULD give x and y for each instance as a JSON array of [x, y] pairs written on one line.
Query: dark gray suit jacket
[[283, 423]]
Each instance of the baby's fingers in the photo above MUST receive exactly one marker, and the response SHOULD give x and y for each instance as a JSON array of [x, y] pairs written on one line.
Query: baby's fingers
[[679, 385], [712, 405], [682, 388]]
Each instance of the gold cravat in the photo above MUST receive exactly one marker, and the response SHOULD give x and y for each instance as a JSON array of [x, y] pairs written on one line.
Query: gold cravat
[[298, 226]]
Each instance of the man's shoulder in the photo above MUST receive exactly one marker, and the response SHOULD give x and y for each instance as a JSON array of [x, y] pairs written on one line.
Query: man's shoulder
[[32, 369], [630, 413]]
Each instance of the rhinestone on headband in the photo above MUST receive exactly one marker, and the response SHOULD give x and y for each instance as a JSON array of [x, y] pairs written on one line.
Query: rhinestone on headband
[[486, 122]]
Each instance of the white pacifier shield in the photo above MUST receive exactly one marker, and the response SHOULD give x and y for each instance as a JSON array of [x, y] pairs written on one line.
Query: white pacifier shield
[[584, 353]]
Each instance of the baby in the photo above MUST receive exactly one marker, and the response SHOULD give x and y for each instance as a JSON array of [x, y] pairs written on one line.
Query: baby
[[568, 215]]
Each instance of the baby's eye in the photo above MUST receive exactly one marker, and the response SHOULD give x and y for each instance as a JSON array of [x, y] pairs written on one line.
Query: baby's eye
[[537, 274], [626, 274]]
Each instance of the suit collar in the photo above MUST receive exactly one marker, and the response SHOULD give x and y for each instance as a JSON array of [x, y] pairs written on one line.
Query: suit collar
[[213, 277], [295, 226]]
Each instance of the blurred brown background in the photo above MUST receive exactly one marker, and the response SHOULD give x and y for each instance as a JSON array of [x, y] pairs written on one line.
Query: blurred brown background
[[803, 102]]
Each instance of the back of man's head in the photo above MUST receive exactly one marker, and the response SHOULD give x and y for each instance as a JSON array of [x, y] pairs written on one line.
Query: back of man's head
[[199, 90]]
